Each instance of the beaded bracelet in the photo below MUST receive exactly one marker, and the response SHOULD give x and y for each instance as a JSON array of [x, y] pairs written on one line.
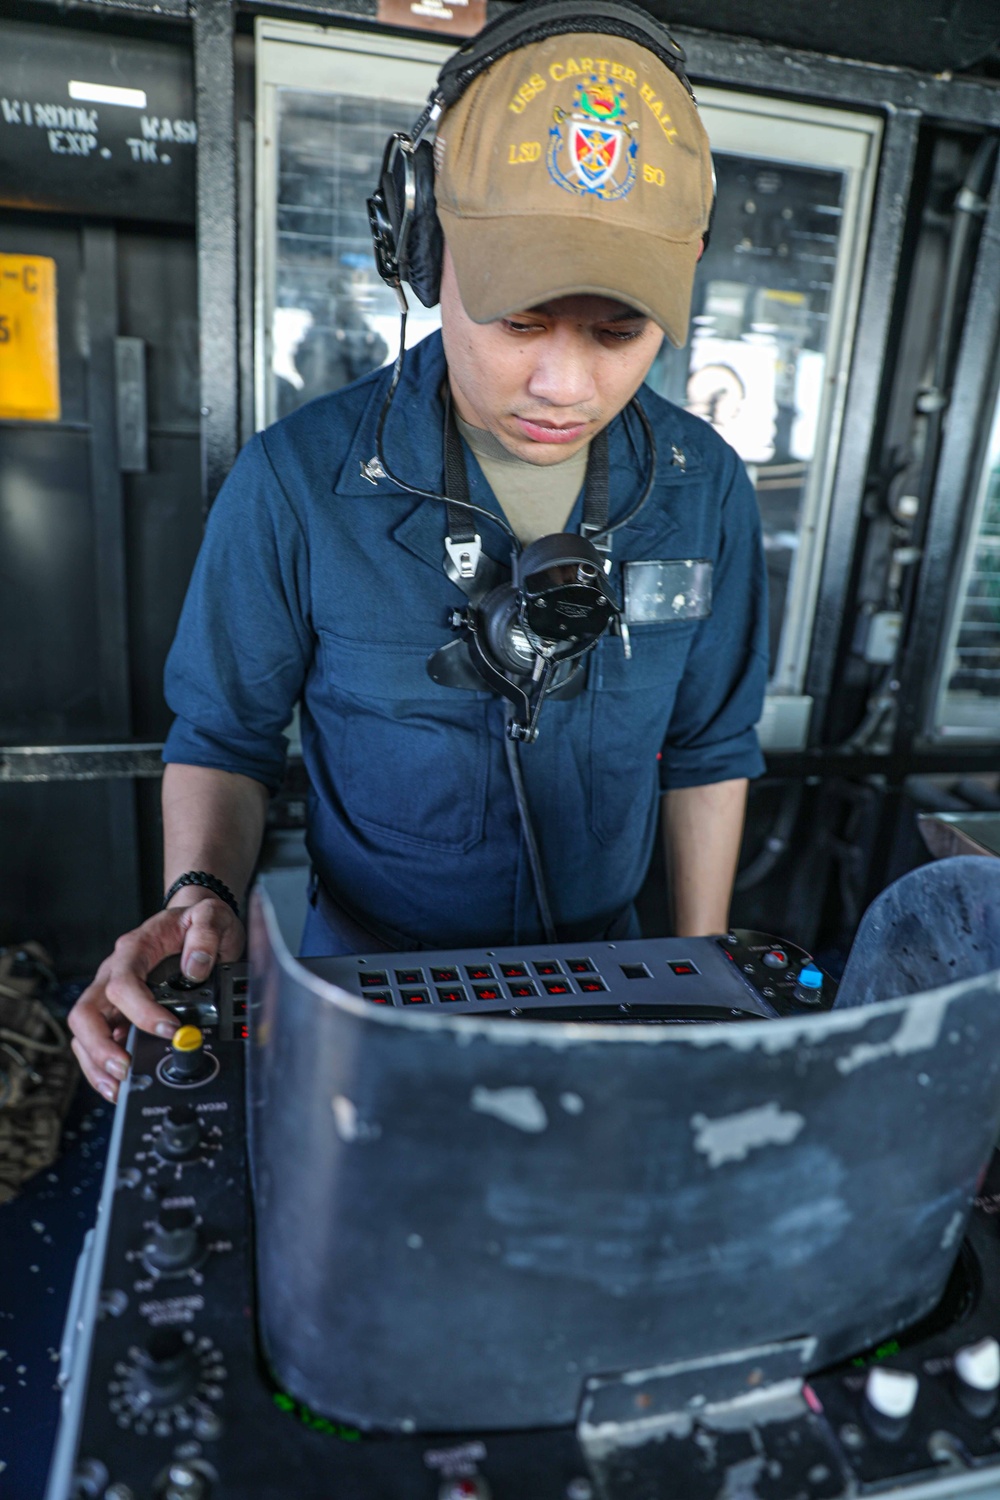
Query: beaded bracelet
[[211, 883]]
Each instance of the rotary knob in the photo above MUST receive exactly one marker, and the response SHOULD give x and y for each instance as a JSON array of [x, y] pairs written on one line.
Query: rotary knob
[[175, 1244], [165, 1372], [180, 1135], [977, 1376], [809, 989], [890, 1396], [188, 1061]]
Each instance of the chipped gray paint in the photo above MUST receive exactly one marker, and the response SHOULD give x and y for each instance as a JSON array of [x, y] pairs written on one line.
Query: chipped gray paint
[[610, 1230], [952, 1229], [774, 1403], [733, 1137], [520, 1107], [919, 1030], [350, 1127], [806, 1349], [741, 1480]]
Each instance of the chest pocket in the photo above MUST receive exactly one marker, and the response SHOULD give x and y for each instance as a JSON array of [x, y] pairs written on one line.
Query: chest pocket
[[408, 760], [631, 704]]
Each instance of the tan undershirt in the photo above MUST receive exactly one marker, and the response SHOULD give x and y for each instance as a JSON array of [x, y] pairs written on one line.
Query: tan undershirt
[[536, 500]]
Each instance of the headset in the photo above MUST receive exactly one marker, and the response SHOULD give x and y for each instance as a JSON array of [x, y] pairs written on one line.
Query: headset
[[525, 635], [402, 212]]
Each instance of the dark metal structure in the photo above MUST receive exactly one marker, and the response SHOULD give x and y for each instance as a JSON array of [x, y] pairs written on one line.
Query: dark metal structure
[[870, 728]]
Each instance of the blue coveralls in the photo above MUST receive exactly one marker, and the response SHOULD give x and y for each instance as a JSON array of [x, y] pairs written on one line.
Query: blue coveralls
[[312, 584]]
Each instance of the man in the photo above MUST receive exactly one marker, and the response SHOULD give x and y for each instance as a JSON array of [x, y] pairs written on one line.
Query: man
[[573, 183]]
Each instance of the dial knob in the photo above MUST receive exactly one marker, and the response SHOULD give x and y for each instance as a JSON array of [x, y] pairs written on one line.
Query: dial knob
[[165, 1372], [187, 1062], [175, 1244], [977, 1376], [809, 989], [180, 1134], [890, 1396]]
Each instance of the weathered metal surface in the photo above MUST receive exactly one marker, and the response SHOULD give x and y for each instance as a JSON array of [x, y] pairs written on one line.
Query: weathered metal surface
[[972, 398], [460, 1220], [214, 75], [899, 153], [79, 762], [948, 834], [937, 924]]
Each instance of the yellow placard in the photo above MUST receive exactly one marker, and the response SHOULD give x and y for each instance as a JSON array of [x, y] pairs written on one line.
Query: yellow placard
[[29, 341]]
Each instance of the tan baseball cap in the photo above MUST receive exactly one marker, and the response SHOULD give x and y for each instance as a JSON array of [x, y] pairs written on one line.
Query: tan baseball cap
[[577, 164]]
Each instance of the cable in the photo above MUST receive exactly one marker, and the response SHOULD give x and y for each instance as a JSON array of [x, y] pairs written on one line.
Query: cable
[[651, 441], [411, 488], [776, 844], [479, 509], [527, 828]]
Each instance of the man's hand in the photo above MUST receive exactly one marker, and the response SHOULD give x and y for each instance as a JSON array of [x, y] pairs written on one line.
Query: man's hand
[[202, 932]]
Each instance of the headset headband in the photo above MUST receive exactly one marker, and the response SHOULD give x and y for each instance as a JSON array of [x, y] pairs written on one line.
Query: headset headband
[[536, 21], [554, 18]]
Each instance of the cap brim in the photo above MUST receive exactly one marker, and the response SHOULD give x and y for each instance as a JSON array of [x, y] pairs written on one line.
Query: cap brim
[[506, 265]]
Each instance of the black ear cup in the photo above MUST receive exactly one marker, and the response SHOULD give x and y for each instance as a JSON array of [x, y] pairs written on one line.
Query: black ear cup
[[420, 255]]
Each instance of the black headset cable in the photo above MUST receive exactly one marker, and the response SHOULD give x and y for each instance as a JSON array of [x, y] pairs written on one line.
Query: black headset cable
[[480, 510], [531, 842], [412, 489]]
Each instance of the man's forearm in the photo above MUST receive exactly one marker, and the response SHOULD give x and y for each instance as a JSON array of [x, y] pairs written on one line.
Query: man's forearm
[[212, 821], [702, 832]]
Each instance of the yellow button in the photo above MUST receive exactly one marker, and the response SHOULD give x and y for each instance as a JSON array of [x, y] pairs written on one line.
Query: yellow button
[[187, 1039]]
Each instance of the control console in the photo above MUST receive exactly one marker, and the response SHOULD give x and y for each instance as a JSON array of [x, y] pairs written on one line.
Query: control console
[[740, 976], [167, 1396]]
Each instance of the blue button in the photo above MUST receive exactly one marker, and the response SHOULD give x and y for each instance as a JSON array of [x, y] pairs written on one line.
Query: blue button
[[810, 977]]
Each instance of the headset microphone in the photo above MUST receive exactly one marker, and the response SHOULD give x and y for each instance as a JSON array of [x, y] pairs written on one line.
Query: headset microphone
[[527, 638]]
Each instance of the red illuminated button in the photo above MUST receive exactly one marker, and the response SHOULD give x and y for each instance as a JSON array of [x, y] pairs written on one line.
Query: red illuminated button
[[776, 959], [479, 971], [449, 997], [591, 986], [557, 987], [409, 976], [415, 997], [579, 966], [513, 971], [379, 997], [684, 968], [546, 966], [522, 989], [486, 992], [373, 979], [444, 976]]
